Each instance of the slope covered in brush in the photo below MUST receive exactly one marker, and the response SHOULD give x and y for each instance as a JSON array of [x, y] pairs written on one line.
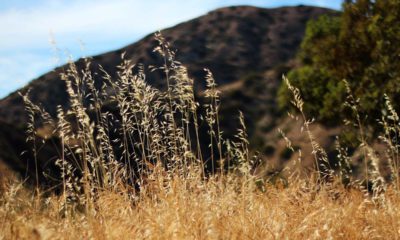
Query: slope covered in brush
[[232, 42], [246, 48]]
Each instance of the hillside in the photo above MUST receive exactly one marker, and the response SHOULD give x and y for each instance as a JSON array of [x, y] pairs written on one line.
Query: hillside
[[246, 48]]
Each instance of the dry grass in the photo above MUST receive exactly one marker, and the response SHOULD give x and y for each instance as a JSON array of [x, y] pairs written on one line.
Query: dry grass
[[208, 210], [140, 173]]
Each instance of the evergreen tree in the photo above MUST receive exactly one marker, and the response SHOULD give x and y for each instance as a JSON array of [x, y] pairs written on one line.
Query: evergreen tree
[[362, 46]]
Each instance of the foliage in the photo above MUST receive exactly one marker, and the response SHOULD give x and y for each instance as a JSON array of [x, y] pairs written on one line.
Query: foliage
[[360, 46]]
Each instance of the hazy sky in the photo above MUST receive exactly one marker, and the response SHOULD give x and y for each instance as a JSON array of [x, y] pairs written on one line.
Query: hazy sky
[[88, 27]]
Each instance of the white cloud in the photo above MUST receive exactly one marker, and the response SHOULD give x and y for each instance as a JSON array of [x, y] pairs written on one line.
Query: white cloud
[[88, 19]]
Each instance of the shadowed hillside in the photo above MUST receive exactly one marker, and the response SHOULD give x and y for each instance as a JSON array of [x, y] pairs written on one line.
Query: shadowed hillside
[[246, 48]]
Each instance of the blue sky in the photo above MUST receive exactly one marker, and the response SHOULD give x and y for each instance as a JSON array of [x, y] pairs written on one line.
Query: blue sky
[[30, 29]]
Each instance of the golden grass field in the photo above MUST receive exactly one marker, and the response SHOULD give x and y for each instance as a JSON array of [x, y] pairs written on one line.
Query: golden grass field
[[194, 209]]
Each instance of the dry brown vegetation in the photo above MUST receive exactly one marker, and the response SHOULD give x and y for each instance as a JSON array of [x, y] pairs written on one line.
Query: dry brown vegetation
[[195, 209], [139, 171]]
